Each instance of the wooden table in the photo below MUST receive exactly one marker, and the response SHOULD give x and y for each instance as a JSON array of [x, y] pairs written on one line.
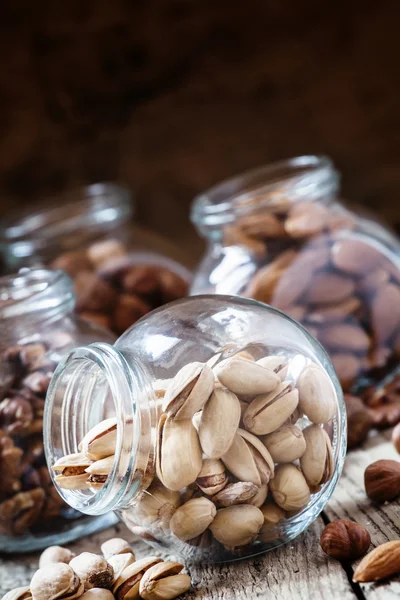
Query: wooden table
[[297, 571]]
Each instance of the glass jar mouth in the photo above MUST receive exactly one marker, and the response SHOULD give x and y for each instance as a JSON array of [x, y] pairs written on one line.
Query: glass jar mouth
[[103, 206], [303, 177]]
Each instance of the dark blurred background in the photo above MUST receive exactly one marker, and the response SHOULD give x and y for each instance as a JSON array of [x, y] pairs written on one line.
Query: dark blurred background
[[170, 96]]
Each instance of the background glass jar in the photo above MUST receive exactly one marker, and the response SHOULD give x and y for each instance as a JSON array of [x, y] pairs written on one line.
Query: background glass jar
[[38, 326], [217, 446], [120, 271], [280, 235]]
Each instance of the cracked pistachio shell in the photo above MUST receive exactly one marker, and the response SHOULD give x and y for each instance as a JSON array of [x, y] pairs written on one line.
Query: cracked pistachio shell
[[55, 554], [317, 398], [317, 460], [289, 488], [93, 570], [127, 584], [188, 391], [286, 444], [115, 546], [19, 593], [119, 562], [246, 378], [101, 440], [156, 505], [248, 459], [73, 482], [72, 464], [192, 518], [212, 477], [219, 423], [269, 411], [164, 581], [179, 460], [260, 497], [237, 525], [277, 364], [98, 594], [57, 580], [235, 493], [272, 514]]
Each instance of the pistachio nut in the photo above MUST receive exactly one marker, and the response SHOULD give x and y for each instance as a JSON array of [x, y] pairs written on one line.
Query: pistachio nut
[[72, 464], [179, 460], [119, 562], [286, 444], [235, 493], [259, 498], [237, 525], [164, 581], [317, 460], [55, 554], [273, 514], [188, 391], [156, 505], [115, 546], [98, 594], [246, 378], [160, 387], [99, 470], [248, 459], [317, 398], [219, 423], [269, 411], [57, 580], [101, 440], [289, 487], [127, 584], [212, 477], [19, 593], [73, 482], [192, 518], [277, 364], [93, 570]]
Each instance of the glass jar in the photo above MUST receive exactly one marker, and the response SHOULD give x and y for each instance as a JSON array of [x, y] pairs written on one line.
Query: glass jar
[[206, 452], [120, 271], [38, 326], [280, 235]]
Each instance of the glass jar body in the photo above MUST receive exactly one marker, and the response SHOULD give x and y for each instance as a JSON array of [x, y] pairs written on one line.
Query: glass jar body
[[185, 450], [281, 235], [38, 327]]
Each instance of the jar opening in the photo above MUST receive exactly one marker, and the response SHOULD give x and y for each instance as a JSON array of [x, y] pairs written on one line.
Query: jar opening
[[271, 186]]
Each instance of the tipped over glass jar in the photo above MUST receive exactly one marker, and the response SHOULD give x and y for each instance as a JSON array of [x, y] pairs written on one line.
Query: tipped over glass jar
[[215, 427], [279, 234]]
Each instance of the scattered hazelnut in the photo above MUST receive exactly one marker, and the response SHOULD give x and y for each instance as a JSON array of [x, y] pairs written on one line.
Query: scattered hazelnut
[[55, 554], [382, 480], [396, 437], [345, 540], [359, 421]]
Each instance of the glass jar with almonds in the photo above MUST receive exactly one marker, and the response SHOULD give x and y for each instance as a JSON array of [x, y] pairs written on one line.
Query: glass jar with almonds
[[215, 428], [280, 235]]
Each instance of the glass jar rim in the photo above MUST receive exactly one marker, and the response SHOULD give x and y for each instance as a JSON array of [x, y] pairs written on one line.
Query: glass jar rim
[[306, 177], [101, 205]]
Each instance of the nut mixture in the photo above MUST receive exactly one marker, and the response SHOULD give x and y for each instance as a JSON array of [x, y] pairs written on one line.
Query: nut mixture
[[241, 446], [114, 292], [114, 575]]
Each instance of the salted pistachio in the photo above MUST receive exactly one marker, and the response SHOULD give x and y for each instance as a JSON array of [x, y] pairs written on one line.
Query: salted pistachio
[[57, 580], [259, 498], [119, 562], [212, 477], [101, 440], [294, 417], [19, 593], [164, 581], [235, 493], [115, 546], [289, 487], [127, 584], [269, 411], [73, 482], [317, 460], [317, 397], [55, 554], [237, 525], [156, 505], [192, 518], [188, 391], [72, 464], [99, 470], [245, 377], [277, 364], [93, 570], [219, 422], [248, 459], [178, 460], [272, 514], [286, 444], [98, 594]]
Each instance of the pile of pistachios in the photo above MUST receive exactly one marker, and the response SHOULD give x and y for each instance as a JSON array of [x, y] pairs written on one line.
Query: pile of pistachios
[[242, 445], [115, 575]]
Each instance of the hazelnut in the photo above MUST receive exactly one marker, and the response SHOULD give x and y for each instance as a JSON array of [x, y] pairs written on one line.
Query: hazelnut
[[359, 421], [55, 554], [127, 311], [382, 480], [72, 262], [93, 294], [345, 540], [396, 437]]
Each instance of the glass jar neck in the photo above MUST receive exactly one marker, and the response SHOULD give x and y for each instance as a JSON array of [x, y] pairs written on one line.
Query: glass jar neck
[[91, 384], [272, 188]]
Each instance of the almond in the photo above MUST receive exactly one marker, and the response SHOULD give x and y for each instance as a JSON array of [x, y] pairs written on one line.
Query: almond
[[382, 562]]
